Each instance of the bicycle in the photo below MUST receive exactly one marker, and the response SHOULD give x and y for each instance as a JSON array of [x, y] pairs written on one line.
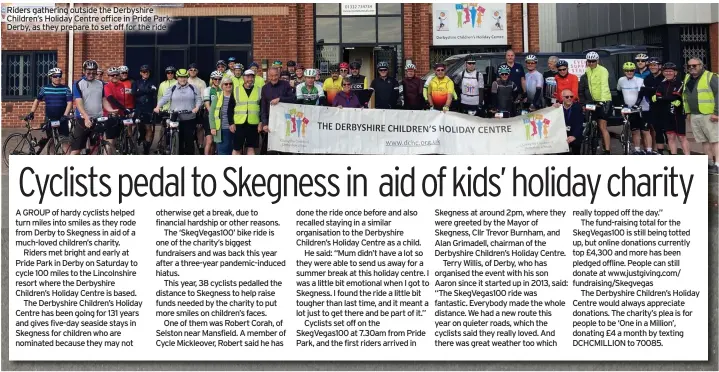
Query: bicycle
[[591, 131], [97, 138], [129, 135], [171, 133], [625, 137], [27, 144]]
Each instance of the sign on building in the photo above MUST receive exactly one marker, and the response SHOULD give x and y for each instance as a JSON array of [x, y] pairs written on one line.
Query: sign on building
[[469, 24], [359, 9]]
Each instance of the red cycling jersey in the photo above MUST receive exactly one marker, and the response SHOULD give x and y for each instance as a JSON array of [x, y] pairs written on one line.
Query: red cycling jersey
[[116, 91], [129, 98]]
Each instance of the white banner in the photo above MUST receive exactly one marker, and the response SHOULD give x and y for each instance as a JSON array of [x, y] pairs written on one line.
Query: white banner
[[359, 9], [577, 66], [469, 24], [327, 130]]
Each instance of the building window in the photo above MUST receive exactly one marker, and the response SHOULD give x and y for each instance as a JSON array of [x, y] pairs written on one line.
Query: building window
[[24, 73]]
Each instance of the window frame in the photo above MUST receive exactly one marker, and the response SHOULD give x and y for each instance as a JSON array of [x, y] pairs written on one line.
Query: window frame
[[33, 73]]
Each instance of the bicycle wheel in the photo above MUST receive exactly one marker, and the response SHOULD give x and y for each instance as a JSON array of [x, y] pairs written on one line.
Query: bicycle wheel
[[593, 138], [16, 144], [627, 139], [175, 143], [131, 145]]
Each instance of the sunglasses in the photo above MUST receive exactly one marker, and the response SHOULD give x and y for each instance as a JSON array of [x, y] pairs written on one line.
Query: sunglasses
[[531, 63], [383, 70], [91, 73], [124, 73], [227, 84], [471, 63], [568, 97], [113, 75], [562, 69], [170, 73], [591, 61], [192, 70], [440, 70], [56, 76], [344, 70], [346, 85], [504, 74], [641, 61], [144, 71]]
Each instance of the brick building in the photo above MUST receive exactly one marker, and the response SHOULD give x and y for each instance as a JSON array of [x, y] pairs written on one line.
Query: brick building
[[317, 35]]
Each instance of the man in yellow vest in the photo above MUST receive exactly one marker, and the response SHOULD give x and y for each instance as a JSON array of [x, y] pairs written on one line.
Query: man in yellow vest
[[246, 115], [700, 96]]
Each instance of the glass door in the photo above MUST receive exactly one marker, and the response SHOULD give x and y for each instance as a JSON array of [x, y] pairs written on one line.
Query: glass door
[[171, 57]]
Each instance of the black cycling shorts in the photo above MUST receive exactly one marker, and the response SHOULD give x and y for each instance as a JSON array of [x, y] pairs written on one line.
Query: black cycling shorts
[[636, 122], [602, 112], [245, 135], [80, 134]]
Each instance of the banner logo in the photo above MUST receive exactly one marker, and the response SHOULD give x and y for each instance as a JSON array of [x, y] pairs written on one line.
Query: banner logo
[[296, 124], [536, 127]]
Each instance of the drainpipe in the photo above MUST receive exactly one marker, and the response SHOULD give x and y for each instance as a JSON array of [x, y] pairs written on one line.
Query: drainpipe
[[70, 52], [525, 27]]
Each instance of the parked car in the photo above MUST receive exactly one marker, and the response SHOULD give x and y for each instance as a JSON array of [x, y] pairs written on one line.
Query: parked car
[[612, 58]]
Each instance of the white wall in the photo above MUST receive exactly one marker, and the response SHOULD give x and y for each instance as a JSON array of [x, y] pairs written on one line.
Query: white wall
[[548, 28], [692, 13]]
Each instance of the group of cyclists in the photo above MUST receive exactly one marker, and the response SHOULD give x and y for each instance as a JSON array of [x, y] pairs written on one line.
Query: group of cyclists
[[229, 113]]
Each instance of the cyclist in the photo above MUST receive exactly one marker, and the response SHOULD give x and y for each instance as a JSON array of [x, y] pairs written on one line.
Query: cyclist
[[231, 62], [119, 99], [629, 86], [58, 103], [222, 114], [309, 92], [298, 76], [245, 115], [517, 74], [221, 66], [167, 84], [285, 76], [534, 83], [386, 88], [412, 88], [347, 97], [642, 69], [344, 70], [701, 89], [595, 88], [274, 92], [550, 90], [332, 85], [649, 88], [318, 79], [668, 100], [145, 93], [565, 80], [439, 91], [291, 67], [259, 80], [127, 82], [183, 97], [574, 120], [237, 74], [470, 86], [209, 97], [359, 83], [504, 93], [89, 96], [198, 83], [100, 75]]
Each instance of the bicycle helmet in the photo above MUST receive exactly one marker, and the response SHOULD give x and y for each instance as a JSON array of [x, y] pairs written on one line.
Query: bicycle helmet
[[291, 63], [669, 66], [285, 73], [562, 63], [504, 69], [533, 58], [113, 71], [383, 65], [192, 65], [89, 65], [231, 59], [144, 68], [182, 73], [592, 56], [334, 68], [277, 63], [170, 69], [310, 72], [410, 66], [248, 73], [470, 58], [54, 71], [355, 65], [654, 60], [629, 66], [239, 66], [221, 63], [438, 65], [254, 64], [641, 57], [216, 75], [123, 69], [344, 66]]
